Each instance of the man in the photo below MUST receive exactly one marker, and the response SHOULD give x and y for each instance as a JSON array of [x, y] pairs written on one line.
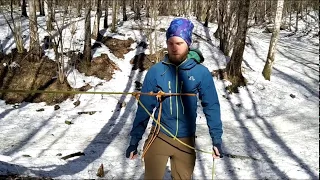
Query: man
[[179, 72]]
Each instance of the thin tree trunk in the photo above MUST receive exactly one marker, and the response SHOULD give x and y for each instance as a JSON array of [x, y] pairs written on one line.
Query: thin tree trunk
[[297, 16], [206, 22], [273, 42], [41, 5], [79, 7], [290, 15], [48, 14], [87, 35], [15, 30], [105, 20], [24, 8], [233, 68], [34, 39], [96, 25], [114, 16], [124, 10]]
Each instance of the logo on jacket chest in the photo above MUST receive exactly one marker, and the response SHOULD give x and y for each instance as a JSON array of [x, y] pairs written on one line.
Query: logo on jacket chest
[[191, 78]]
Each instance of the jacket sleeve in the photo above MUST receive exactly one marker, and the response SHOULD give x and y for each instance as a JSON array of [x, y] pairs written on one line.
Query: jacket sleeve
[[211, 106], [142, 118]]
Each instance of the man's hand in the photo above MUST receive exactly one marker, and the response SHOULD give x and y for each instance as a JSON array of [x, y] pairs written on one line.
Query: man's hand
[[217, 151], [131, 152]]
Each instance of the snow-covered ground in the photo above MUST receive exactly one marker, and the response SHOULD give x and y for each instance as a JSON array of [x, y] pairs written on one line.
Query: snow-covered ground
[[270, 128]]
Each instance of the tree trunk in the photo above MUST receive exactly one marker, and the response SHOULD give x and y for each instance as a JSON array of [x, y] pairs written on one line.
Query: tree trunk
[[48, 14], [37, 4], [105, 20], [206, 22], [227, 27], [114, 16], [290, 15], [96, 25], [79, 7], [34, 39], [124, 10], [15, 30], [87, 35], [233, 68], [273, 42], [137, 10], [41, 5], [297, 15], [24, 8], [52, 10]]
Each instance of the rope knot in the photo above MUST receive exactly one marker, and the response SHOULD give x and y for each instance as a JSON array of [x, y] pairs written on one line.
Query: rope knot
[[159, 95]]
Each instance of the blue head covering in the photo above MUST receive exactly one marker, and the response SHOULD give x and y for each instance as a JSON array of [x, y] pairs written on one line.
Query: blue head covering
[[182, 28]]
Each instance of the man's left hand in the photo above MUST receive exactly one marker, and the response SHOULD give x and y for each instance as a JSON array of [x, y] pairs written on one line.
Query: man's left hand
[[217, 151]]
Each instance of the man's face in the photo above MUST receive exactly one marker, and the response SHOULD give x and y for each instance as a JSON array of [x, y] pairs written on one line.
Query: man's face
[[177, 49]]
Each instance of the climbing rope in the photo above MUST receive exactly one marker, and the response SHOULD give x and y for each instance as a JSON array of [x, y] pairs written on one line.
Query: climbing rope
[[159, 96], [158, 124]]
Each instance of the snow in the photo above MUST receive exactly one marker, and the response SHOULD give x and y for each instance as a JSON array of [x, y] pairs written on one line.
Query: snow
[[267, 133]]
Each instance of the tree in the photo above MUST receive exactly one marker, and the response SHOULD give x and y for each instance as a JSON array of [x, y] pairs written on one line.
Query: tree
[[114, 15], [227, 24], [105, 20], [34, 39], [48, 14], [96, 25], [124, 13], [273, 42], [24, 8], [15, 29], [41, 4], [233, 68], [87, 33], [79, 6]]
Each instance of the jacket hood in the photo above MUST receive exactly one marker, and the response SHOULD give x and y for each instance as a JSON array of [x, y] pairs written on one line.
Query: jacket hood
[[194, 57]]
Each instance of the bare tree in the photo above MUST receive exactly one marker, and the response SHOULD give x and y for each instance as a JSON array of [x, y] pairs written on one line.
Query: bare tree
[[233, 68], [48, 14], [298, 10], [114, 15], [124, 11], [137, 13], [79, 7], [87, 35], [15, 28], [41, 4], [34, 39], [208, 16], [273, 42], [227, 24], [96, 25], [24, 8], [106, 12]]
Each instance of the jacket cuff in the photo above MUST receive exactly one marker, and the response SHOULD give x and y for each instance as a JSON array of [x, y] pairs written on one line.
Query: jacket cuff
[[216, 141], [134, 141]]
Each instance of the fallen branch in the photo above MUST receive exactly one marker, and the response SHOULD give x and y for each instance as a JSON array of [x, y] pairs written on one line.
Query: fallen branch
[[73, 155]]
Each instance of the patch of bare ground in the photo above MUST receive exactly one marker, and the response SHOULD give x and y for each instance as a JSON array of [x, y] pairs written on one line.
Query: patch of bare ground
[[22, 71], [118, 47], [101, 67]]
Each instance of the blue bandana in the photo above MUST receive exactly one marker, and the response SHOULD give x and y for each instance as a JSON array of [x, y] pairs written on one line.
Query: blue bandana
[[182, 28]]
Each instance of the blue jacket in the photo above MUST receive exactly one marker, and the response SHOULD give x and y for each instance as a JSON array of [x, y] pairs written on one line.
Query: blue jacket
[[179, 112]]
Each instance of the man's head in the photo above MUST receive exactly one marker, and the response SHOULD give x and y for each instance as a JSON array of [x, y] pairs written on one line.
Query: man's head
[[179, 38]]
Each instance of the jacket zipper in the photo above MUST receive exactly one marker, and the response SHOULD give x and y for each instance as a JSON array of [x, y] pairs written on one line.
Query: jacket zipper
[[181, 97], [177, 107], [170, 97]]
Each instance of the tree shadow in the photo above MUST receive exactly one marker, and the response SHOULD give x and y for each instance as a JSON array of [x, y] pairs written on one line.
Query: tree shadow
[[278, 140]]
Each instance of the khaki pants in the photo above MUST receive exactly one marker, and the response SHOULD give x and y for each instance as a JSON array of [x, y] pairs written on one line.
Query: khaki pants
[[182, 158]]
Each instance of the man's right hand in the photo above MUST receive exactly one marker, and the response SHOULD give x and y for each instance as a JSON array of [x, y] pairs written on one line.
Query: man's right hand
[[132, 151]]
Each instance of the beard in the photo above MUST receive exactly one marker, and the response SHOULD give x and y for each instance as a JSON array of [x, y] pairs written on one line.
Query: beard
[[178, 58]]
